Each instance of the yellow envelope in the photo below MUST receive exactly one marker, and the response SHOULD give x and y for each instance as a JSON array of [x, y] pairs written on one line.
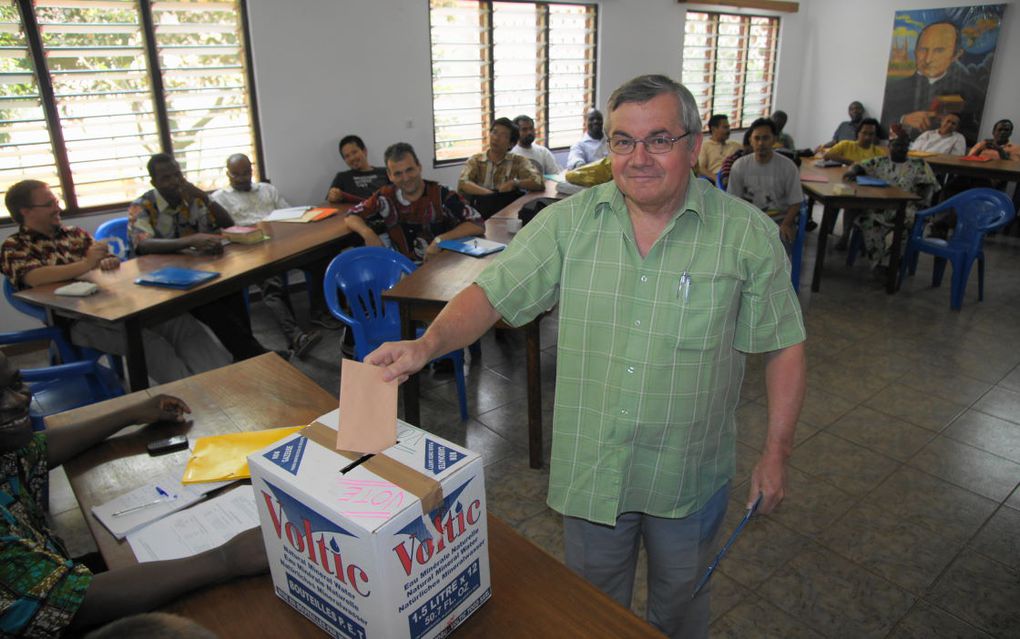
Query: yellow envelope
[[225, 457]]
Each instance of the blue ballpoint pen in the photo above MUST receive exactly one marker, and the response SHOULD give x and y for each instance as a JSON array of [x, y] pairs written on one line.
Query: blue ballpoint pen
[[726, 546], [163, 496]]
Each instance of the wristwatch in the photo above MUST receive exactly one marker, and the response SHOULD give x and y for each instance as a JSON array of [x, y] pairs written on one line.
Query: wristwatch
[[517, 183]]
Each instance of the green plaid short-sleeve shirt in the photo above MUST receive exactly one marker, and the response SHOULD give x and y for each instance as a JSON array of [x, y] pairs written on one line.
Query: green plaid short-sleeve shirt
[[651, 351]]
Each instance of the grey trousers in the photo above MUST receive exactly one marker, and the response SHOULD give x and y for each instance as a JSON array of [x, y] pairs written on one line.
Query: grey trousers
[[174, 349], [679, 551]]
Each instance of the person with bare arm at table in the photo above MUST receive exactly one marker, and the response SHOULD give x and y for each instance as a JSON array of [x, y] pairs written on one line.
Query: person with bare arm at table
[[44, 592]]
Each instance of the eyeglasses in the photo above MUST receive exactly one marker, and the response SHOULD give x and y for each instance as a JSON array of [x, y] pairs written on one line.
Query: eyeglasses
[[46, 205], [657, 144]]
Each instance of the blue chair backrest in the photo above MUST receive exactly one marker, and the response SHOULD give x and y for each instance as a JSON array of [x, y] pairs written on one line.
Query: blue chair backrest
[[31, 310], [978, 211], [64, 349], [363, 274], [115, 232]]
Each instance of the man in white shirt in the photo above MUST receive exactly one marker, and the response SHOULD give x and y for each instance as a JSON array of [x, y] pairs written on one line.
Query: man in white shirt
[[249, 203], [539, 155], [944, 139], [592, 146]]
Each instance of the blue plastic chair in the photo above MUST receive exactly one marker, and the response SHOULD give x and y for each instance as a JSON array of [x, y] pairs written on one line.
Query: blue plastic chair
[[978, 211], [115, 232], [65, 386], [363, 274], [797, 251], [60, 349]]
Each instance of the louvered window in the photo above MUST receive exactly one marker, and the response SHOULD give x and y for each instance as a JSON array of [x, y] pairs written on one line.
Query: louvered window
[[729, 64], [92, 88], [504, 59]]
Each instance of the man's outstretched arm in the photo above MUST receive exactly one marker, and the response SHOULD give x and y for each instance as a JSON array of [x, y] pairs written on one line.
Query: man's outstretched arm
[[462, 322]]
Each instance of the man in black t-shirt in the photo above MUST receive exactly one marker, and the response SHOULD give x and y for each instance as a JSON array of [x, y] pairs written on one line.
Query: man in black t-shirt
[[362, 180]]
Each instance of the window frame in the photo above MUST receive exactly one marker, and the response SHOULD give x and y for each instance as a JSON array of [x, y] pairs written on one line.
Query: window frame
[[33, 37], [740, 96], [487, 45]]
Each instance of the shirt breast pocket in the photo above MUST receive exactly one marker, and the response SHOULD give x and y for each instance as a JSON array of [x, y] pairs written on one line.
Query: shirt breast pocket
[[705, 312]]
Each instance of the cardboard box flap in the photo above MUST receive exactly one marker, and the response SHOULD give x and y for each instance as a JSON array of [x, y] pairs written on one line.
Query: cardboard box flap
[[426, 489]]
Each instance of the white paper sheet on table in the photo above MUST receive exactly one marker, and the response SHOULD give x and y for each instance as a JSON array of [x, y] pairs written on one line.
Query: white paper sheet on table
[[292, 213], [197, 529], [178, 496]]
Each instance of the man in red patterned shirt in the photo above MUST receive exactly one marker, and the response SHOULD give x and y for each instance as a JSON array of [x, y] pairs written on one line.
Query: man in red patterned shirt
[[417, 213], [44, 251]]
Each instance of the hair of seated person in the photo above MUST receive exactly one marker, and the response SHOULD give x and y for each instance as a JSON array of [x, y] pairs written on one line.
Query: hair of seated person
[[152, 625]]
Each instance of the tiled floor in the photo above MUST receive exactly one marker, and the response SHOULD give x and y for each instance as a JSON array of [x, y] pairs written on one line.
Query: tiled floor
[[903, 513]]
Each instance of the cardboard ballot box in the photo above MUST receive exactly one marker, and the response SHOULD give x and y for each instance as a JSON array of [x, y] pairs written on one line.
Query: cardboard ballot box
[[396, 546]]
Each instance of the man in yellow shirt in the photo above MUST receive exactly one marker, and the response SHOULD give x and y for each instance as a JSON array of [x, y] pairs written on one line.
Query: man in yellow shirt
[[854, 152], [863, 148], [716, 148]]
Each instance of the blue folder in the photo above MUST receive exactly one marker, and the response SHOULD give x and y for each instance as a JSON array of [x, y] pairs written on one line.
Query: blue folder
[[176, 277], [473, 246], [866, 180]]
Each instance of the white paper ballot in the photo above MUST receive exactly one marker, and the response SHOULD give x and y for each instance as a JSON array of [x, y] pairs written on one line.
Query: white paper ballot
[[189, 532], [146, 504], [292, 213]]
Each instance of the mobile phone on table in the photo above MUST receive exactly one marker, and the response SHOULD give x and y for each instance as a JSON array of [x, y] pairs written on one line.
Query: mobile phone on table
[[168, 445]]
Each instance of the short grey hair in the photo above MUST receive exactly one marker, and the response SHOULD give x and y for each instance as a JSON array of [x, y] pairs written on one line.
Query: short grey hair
[[646, 87]]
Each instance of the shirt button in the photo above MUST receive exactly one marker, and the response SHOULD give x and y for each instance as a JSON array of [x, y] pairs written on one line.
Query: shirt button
[[644, 278], [637, 322], [630, 369], [624, 411]]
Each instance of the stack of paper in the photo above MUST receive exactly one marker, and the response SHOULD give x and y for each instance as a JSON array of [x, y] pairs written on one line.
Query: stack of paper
[[147, 503], [197, 529]]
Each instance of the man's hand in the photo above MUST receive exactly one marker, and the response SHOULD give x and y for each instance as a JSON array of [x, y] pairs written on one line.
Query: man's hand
[[920, 120], [433, 249], [190, 192], [109, 264], [400, 359], [788, 231], [769, 479], [506, 187], [244, 555], [164, 408], [335, 195], [95, 254], [206, 243]]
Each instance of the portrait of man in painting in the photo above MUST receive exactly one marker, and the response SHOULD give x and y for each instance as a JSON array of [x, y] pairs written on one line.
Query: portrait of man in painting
[[939, 63]]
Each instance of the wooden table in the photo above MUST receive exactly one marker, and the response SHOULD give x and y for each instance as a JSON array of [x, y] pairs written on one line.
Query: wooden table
[[424, 293], [996, 170], [131, 307], [533, 594], [861, 197]]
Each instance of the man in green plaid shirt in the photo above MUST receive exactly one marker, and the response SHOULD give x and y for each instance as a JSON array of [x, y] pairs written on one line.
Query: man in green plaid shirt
[[663, 283]]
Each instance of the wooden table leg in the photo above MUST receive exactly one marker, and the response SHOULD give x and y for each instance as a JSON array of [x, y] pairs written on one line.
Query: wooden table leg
[[534, 348], [138, 372], [410, 388], [892, 282], [828, 221]]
